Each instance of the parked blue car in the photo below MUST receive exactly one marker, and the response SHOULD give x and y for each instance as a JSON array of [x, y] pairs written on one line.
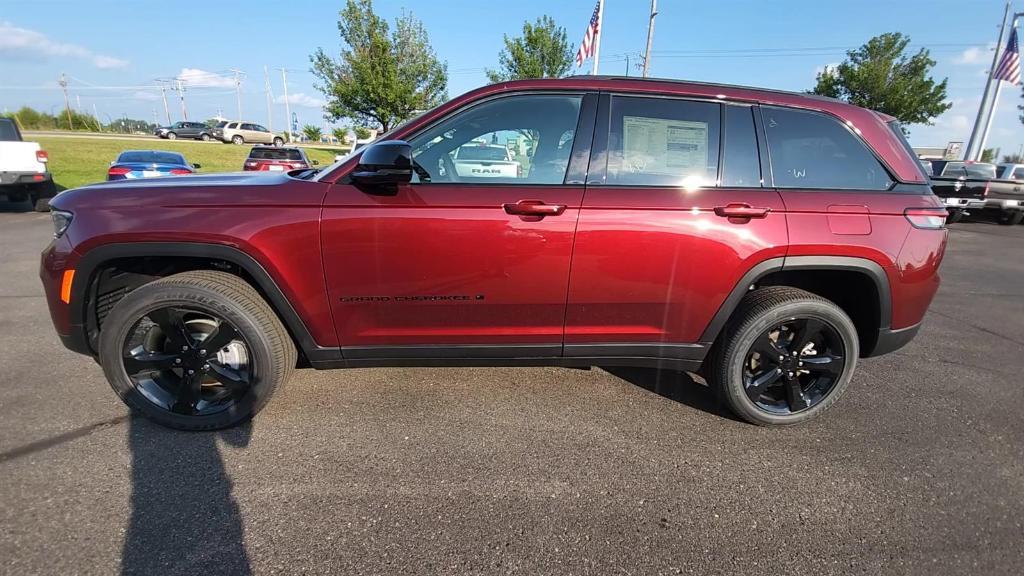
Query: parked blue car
[[132, 164]]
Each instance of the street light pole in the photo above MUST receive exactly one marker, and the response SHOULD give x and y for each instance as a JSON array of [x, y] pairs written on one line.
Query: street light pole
[[973, 151], [995, 98]]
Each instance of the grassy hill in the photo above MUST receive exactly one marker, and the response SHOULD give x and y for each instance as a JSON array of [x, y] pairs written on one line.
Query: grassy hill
[[75, 161]]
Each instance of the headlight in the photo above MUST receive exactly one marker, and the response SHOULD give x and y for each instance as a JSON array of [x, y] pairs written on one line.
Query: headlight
[[61, 221]]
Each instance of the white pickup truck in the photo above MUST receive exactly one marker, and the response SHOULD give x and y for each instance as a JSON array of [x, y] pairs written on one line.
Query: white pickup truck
[[476, 160], [23, 173]]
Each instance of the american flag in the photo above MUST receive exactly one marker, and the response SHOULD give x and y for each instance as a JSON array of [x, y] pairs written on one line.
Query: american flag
[[590, 38], [1009, 64]]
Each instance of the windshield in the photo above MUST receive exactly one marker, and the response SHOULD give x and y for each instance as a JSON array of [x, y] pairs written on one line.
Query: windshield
[[8, 132], [476, 152], [970, 170], [339, 160], [151, 157], [222, 124]]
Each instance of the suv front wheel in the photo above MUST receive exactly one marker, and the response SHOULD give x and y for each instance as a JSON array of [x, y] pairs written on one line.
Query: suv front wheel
[[195, 351], [785, 356]]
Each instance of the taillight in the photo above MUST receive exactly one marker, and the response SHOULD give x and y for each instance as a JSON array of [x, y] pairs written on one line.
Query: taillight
[[180, 171], [42, 156], [118, 171], [926, 218], [251, 164]]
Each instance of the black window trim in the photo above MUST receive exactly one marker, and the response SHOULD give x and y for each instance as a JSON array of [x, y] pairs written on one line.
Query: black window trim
[[581, 127], [896, 185], [754, 114]]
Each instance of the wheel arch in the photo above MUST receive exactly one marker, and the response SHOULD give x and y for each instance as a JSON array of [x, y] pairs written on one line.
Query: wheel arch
[[189, 256], [819, 274]]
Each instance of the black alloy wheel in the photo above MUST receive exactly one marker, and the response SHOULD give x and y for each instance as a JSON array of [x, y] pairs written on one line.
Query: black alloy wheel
[[188, 361], [793, 366]]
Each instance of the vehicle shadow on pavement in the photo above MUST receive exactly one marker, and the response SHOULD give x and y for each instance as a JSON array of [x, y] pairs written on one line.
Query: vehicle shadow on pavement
[[674, 385], [184, 519]]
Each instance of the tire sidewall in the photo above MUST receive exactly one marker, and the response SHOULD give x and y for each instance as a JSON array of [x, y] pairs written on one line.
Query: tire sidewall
[[147, 298], [734, 386]]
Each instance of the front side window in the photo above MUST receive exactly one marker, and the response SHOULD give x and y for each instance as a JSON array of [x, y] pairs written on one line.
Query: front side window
[[233, 126], [521, 139], [663, 142], [812, 150]]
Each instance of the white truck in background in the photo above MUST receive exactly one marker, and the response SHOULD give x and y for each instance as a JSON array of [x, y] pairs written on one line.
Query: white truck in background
[[23, 169], [476, 160]]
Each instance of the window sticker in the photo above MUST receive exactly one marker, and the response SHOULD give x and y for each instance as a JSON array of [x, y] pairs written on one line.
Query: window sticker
[[660, 146]]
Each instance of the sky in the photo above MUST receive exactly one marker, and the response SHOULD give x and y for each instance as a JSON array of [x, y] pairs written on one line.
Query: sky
[[114, 52]]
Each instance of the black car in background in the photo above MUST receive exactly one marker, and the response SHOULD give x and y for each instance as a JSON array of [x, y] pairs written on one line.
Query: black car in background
[[193, 130]]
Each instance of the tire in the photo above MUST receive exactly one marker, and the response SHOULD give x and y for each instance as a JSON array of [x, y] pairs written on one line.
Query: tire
[[40, 204], [757, 314], [204, 137], [1010, 217], [954, 216], [172, 136], [236, 139], [278, 142], [269, 351]]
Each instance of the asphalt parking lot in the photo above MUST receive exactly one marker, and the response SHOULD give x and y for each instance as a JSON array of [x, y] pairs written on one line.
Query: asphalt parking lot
[[919, 469]]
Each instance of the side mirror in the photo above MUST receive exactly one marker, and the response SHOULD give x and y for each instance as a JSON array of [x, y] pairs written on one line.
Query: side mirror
[[196, 166], [386, 162]]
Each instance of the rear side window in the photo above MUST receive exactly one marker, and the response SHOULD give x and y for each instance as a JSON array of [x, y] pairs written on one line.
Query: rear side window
[[8, 131], [741, 163], [663, 142], [275, 154], [812, 150], [1018, 173]]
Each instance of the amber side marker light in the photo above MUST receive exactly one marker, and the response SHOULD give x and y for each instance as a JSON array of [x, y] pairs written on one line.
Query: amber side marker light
[[65, 286]]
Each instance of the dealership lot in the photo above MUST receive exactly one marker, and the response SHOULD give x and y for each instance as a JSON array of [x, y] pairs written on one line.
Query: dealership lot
[[919, 468]]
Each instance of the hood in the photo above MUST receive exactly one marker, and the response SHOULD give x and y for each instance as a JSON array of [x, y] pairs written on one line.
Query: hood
[[194, 188]]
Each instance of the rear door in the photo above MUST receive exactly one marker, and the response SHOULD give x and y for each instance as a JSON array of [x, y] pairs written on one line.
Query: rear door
[[675, 213], [458, 265]]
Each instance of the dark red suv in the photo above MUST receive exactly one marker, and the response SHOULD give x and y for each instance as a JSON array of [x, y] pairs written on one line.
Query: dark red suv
[[764, 239]]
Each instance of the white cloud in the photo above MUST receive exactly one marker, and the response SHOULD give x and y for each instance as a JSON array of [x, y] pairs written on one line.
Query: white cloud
[[975, 55], [195, 77], [301, 99], [830, 67], [22, 43]]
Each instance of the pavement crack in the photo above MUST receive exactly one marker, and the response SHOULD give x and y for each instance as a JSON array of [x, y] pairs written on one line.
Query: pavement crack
[[979, 328], [47, 443]]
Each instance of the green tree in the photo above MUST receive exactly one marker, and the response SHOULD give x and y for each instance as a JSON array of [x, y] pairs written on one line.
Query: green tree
[[989, 154], [882, 76], [541, 52], [312, 132], [362, 133], [381, 77], [341, 134], [1013, 159]]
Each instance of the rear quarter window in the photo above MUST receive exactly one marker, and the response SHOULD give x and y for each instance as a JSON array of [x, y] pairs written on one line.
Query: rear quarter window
[[8, 131], [812, 150]]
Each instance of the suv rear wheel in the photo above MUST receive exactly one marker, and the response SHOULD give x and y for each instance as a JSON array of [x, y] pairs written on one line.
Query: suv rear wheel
[[785, 357], [204, 137], [195, 351], [1010, 217]]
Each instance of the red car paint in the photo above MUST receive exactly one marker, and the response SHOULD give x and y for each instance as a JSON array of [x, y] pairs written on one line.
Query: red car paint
[[447, 265]]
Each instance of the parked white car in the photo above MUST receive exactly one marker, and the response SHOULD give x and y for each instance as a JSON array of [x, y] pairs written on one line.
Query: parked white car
[[23, 169]]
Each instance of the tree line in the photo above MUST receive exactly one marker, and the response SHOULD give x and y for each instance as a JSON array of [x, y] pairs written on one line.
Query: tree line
[[385, 74]]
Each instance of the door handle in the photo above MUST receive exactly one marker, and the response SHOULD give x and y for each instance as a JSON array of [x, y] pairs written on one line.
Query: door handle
[[534, 208], [741, 211]]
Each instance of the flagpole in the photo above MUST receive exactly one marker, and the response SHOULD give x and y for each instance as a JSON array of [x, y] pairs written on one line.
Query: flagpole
[[995, 102], [600, 34], [972, 149]]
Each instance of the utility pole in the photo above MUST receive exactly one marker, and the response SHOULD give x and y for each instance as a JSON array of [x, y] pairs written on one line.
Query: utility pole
[[67, 104], [650, 38], [181, 92], [627, 65], [266, 92], [999, 87], [238, 90], [287, 106], [163, 93], [973, 147]]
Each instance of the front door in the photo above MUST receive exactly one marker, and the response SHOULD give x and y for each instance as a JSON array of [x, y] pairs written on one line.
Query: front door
[[472, 258]]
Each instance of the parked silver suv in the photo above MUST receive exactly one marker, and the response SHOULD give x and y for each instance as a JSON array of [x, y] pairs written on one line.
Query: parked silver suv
[[245, 133]]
